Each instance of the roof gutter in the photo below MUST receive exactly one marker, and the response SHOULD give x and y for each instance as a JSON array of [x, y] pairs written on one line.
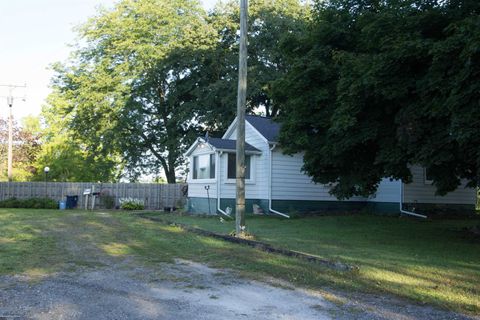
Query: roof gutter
[[233, 150], [410, 213], [270, 187]]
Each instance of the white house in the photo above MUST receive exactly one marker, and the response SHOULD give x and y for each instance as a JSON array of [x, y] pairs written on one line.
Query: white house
[[275, 182]]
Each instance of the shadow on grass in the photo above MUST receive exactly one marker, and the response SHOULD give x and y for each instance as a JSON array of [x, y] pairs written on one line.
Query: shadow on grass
[[423, 261]]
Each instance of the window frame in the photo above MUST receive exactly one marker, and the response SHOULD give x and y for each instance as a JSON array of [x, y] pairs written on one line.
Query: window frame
[[251, 180], [212, 156], [426, 181]]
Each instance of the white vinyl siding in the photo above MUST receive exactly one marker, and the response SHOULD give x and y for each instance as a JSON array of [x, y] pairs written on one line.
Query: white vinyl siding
[[388, 191], [290, 183], [197, 190], [257, 187], [418, 191]]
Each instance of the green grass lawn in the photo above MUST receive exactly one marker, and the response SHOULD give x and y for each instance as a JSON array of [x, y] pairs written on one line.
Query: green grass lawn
[[426, 261], [422, 261]]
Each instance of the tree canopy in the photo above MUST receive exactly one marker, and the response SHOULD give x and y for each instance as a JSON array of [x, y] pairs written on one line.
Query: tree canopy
[[378, 86], [125, 87], [66, 153], [148, 76], [26, 144], [364, 88]]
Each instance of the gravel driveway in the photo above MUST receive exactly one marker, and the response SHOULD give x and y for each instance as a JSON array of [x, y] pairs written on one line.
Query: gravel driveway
[[186, 290]]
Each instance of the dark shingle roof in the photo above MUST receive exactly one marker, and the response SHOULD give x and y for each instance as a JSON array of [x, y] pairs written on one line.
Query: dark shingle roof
[[265, 126], [227, 144]]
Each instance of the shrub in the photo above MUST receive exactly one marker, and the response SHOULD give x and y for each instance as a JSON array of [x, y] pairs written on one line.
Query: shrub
[[9, 203], [131, 204], [107, 201], [30, 203]]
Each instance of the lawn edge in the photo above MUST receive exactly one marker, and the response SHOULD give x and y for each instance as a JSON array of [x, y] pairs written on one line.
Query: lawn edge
[[336, 265]]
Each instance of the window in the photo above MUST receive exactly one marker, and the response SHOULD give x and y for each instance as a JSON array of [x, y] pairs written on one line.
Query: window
[[231, 167], [427, 177], [204, 166]]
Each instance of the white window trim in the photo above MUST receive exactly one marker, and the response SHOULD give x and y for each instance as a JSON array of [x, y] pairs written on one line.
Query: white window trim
[[252, 170], [190, 166], [425, 180]]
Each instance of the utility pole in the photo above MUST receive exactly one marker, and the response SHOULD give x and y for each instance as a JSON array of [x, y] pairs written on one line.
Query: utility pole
[[241, 106], [10, 99]]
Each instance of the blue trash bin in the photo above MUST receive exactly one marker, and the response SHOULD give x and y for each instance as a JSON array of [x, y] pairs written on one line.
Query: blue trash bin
[[62, 205], [72, 202]]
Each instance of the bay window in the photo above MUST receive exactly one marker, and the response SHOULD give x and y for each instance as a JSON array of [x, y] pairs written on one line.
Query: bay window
[[204, 166]]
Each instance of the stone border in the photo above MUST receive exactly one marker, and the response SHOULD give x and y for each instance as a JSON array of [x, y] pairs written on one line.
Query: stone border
[[336, 265]]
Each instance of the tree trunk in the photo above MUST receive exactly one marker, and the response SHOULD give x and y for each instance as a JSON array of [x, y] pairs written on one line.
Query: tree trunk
[[170, 174]]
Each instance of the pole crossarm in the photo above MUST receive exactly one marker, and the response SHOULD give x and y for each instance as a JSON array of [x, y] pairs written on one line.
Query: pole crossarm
[[11, 88]]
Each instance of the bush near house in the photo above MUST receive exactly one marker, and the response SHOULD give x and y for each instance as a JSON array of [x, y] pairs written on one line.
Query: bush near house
[[107, 201], [30, 203]]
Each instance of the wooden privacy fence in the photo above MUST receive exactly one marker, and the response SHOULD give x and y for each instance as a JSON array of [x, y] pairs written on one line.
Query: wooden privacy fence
[[155, 196]]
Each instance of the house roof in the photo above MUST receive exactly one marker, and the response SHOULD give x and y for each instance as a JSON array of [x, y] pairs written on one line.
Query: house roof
[[227, 144], [265, 126], [221, 145]]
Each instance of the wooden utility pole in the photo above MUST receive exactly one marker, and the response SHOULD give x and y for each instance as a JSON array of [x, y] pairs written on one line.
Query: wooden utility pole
[[241, 106], [10, 99], [10, 140]]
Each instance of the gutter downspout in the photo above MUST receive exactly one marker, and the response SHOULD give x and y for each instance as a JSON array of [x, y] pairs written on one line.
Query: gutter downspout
[[401, 205], [270, 187], [217, 174]]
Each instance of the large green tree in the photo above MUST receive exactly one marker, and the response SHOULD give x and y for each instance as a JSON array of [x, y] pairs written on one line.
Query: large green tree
[[268, 24], [66, 153], [127, 86], [378, 86], [149, 75]]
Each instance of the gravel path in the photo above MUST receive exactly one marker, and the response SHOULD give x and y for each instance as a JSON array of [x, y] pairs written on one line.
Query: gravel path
[[186, 290]]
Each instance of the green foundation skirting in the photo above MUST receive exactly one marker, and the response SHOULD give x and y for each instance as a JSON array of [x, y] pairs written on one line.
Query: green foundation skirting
[[301, 206], [384, 208], [263, 203], [200, 206], [434, 209]]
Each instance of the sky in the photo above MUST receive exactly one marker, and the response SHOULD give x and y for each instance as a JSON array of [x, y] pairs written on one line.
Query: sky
[[33, 35]]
